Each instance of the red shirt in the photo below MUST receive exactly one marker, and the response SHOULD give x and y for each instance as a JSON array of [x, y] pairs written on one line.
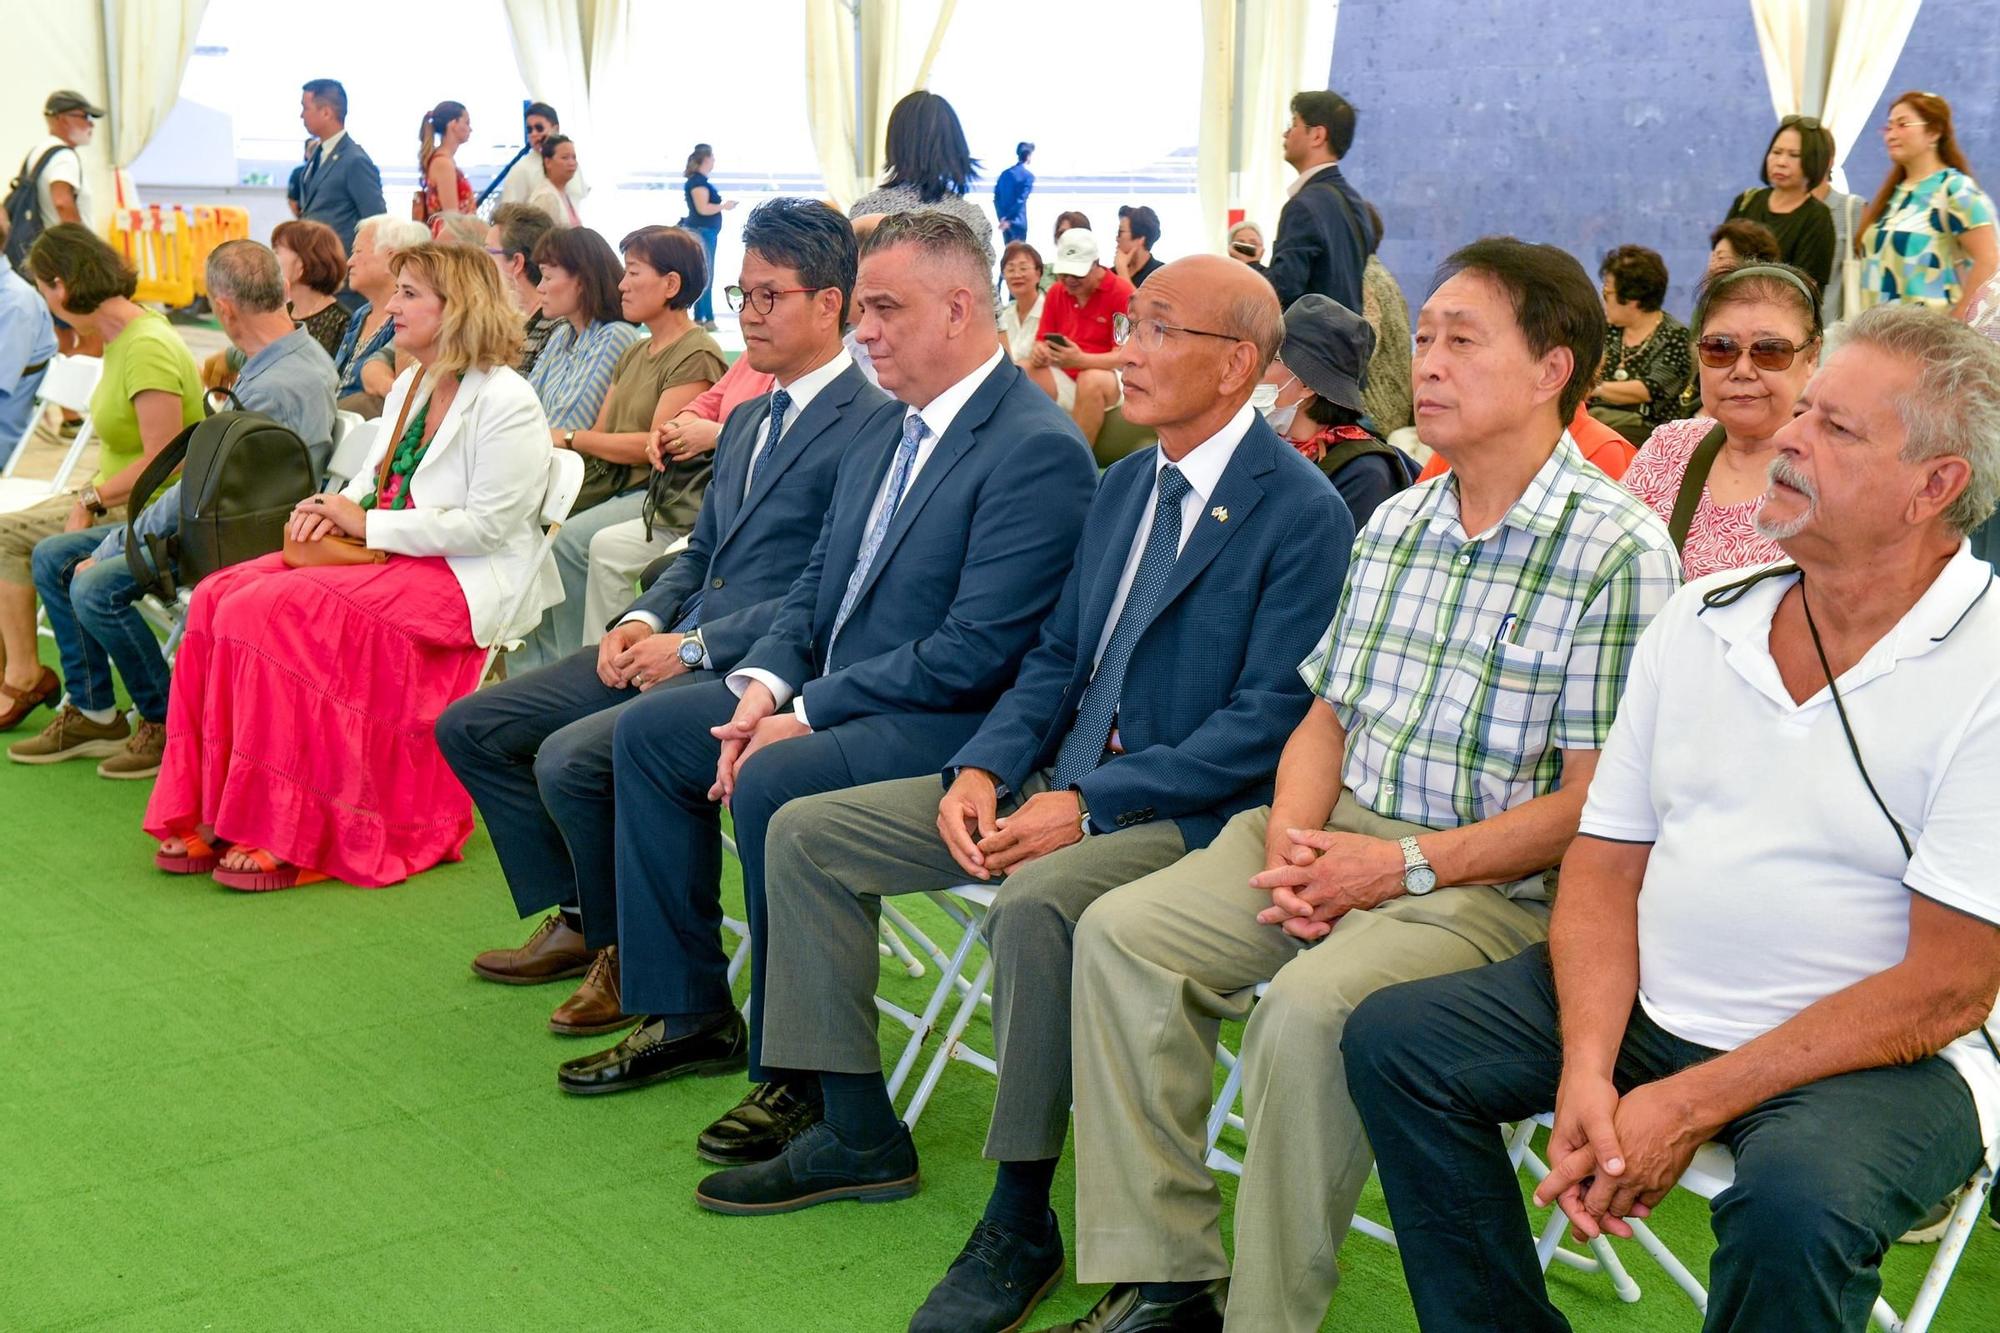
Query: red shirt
[[1088, 325], [1597, 442]]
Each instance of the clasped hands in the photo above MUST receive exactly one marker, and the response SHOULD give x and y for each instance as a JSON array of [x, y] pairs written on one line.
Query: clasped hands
[[319, 516], [987, 845], [1613, 1158], [755, 724], [633, 655], [681, 438], [1316, 876]]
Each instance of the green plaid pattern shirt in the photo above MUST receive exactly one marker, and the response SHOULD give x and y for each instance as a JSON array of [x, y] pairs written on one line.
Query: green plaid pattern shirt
[[1461, 666]]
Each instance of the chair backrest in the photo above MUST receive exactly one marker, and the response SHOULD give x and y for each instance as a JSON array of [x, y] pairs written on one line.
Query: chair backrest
[[350, 448], [565, 482], [70, 382]]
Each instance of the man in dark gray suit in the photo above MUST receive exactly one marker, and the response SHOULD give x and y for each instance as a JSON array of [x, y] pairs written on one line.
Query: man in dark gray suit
[[340, 185], [535, 751]]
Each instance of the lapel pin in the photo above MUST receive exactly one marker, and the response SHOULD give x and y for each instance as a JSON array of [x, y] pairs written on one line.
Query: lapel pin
[[1221, 514]]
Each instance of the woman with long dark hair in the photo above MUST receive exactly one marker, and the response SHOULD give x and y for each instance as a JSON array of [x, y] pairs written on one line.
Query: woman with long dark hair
[[926, 163], [1927, 235]]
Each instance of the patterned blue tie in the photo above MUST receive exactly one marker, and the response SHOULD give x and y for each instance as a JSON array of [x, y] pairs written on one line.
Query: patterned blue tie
[[781, 403], [914, 431], [1083, 749]]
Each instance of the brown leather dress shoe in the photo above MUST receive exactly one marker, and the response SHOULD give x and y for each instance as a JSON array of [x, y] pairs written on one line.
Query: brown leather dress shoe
[[596, 1006], [553, 952], [20, 703]]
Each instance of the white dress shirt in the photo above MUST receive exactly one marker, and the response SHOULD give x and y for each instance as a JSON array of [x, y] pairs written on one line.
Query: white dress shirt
[[803, 390], [1202, 467], [1299, 181], [938, 415]]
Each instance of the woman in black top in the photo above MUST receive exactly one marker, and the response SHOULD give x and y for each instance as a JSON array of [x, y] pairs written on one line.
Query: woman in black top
[[1795, 164], [1647, 359], [704, 219]]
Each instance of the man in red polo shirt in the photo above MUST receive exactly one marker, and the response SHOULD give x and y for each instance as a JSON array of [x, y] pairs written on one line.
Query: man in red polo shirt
[[1074, 358]]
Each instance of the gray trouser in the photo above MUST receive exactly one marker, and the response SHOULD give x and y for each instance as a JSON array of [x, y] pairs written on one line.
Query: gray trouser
[[1159, 965], [831, 858]]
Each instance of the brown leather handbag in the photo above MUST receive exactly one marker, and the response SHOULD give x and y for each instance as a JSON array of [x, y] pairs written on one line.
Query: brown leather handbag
[[337, 548]]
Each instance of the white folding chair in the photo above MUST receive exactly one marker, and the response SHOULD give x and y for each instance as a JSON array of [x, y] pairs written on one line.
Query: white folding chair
[[967, 906], [1714, 1170], [351, 444], [1602, 1258], [565, 480], [68, 383]]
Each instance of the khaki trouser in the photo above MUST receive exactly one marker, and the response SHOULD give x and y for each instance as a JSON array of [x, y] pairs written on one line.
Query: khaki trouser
[[20, 530], [1159, 964], [830, 859]]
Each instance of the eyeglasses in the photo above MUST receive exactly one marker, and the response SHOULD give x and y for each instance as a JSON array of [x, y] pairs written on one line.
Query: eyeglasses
[[1904, 125], [1152, 333], [496, 251], [761, 299], [1719, 351], [1799, 122]]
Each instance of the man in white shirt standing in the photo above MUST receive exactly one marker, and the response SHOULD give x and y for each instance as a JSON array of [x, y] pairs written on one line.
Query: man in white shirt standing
[[1779, 927], [526, 174], [62, 191]]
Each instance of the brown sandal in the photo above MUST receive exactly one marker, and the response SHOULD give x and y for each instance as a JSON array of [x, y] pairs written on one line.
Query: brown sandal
[[48, 687]]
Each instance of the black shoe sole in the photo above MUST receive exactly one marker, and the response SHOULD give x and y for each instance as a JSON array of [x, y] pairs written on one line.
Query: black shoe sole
[[705, 1068], [594, 1030], [887, 1191], [505, 979]]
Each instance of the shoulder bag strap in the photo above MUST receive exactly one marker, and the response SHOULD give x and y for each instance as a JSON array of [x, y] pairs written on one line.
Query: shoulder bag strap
[[158, 468], [1692, 481], [396, 437]]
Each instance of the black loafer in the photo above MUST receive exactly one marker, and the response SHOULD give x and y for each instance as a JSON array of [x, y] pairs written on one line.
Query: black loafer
[[760, 1125], [1124, 1310], [996, 1281], [815, 1168], [647, 1055]]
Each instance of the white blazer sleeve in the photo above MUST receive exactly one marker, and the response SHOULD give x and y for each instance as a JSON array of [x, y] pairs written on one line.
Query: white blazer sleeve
[[505, 460]]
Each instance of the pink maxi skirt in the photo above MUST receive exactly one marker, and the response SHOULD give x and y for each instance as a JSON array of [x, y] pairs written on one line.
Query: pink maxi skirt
[[301, 711]]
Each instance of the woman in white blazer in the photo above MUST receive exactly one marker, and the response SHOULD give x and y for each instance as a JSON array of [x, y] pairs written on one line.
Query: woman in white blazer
[[299, 742]]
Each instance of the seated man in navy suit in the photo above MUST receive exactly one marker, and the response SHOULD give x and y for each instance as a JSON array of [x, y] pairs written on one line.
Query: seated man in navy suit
[[1152, 709], [535, 751], [952, 528]]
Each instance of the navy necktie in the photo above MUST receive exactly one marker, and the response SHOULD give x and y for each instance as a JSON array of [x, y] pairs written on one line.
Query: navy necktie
[[781, 403], [1083, 749]]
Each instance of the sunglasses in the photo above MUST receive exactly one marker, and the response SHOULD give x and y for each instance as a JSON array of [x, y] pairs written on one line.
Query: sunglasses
[[1799, 122], [1719, 352]]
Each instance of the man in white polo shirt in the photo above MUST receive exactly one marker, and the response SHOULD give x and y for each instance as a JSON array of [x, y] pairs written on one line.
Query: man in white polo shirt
[[1787, 857]]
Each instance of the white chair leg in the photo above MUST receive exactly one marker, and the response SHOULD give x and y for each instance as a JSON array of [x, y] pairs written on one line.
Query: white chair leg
[[949, 1048], [1224, 1112], [922, 1025], [1964, 1217], [740, 957]]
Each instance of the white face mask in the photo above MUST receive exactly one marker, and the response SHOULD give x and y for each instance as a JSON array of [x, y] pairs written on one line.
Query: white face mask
[[1280, 418], [1264, 397]]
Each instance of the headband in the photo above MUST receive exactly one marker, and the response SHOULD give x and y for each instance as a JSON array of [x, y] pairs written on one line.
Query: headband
[[1777, 271]]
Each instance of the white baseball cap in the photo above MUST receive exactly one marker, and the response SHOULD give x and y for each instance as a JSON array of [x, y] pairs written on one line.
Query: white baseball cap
[[1075, 253]]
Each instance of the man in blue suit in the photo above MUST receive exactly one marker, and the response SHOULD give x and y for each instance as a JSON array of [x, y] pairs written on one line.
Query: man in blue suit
[[1152, 709], [950, 533], [535, 751], [340, 184]]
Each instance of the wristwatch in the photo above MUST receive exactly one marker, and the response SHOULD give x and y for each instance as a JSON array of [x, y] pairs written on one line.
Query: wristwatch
[[1418, 877], [1083, 810], [91, 500], [693, 650], [569, 439]]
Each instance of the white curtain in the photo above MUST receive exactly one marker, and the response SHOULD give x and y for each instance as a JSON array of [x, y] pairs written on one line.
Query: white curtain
[[147, 45], [577, 55], [898, 43], [550, 50], [1864, 39], [1279, 47]]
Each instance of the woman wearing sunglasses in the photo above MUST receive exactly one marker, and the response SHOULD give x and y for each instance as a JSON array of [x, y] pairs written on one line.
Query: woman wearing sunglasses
[[1927, 236], [1757, 339], [1796, 163]]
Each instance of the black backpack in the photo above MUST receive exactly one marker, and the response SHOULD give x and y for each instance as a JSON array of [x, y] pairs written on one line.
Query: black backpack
[[241, 475], [24, 209]]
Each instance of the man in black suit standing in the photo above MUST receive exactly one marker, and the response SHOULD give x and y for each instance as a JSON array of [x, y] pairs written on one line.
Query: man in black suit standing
[[951, 533], [340, 185], [535, 751], [1323, 239]]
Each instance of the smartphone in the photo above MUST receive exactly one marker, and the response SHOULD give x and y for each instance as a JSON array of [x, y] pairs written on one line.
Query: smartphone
[[1244, 248], [1057, 339]]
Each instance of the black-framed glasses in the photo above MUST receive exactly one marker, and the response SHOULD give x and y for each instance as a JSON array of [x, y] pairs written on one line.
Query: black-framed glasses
[[761, 299], [1719, 351], [1151, 333]]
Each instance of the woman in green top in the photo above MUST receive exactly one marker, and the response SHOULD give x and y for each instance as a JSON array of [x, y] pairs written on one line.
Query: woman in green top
[[149, 391]]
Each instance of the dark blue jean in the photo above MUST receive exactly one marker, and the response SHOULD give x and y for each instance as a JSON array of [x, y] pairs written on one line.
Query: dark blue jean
[[704, 309], [96, 621]]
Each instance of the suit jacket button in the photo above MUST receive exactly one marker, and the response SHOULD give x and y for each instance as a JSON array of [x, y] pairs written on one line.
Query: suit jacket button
[[716, 584]]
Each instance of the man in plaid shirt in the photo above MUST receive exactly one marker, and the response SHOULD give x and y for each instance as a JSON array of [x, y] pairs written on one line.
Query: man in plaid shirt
[[1464, 689]]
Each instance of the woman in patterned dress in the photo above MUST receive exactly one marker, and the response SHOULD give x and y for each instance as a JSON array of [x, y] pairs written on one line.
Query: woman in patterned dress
[[1928, 235], [1757, 344]]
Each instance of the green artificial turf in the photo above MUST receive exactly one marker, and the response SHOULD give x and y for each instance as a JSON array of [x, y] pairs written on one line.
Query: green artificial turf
[[301, 1111]]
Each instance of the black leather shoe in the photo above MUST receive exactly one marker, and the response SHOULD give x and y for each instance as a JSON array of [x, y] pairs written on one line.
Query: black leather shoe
[[647, 1055], [815, 1168], [1124, 1310], [996, 1281], [762, 1123]]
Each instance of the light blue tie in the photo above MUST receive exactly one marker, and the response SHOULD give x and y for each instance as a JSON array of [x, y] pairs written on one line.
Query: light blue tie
[[1083, 749], [914, 431], [781, 403]]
